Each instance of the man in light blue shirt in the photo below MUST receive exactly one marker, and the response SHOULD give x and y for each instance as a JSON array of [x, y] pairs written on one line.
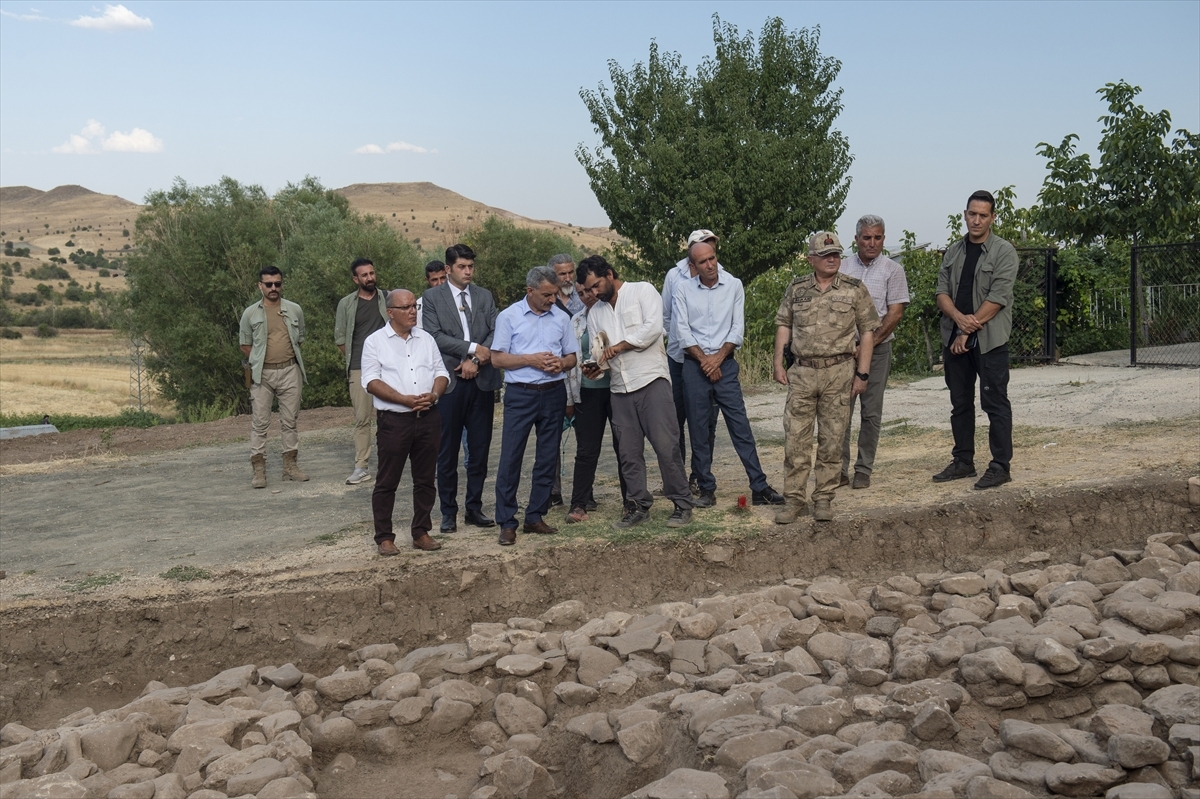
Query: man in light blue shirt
[[707, 319], [536, 347], [680, 272]]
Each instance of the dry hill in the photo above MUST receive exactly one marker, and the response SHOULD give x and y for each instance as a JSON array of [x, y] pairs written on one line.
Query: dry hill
[[434, 217], [427, 214]]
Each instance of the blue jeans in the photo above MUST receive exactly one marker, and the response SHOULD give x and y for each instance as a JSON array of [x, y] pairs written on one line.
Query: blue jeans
[[526, 409], [703, 397], [681, 414]]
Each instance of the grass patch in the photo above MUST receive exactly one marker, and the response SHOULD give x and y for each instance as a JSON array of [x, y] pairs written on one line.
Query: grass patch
[[332, 539], [65, 422], [900, 428], [91, 583], [185, 574], [707, 525]]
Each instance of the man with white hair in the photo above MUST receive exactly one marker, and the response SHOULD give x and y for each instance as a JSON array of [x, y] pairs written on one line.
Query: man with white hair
[[885, 280]]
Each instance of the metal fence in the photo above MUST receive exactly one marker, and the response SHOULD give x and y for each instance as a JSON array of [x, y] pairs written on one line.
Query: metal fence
[[1164, 305], [1034, 308]]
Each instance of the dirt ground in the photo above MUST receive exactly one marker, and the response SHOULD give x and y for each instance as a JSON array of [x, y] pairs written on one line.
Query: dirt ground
[[110, 511]]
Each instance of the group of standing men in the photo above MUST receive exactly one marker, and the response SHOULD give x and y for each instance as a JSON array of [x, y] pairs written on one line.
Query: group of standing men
[[586, 347]]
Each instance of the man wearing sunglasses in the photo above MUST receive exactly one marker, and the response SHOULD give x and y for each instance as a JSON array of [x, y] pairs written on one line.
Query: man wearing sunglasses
[[270, 335]]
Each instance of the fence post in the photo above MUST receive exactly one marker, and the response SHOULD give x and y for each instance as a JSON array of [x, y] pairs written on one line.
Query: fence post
[[1052, 305], [1134, 301]]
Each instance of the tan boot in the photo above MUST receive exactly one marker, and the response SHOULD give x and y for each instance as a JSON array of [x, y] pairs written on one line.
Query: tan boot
[[291, 471], [259, 462], [822, 511], [790, 513]]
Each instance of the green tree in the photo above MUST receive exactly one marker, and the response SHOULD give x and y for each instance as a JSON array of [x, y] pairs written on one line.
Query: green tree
[[1142, 188], [200, 249], [504, 254], [745, 147]]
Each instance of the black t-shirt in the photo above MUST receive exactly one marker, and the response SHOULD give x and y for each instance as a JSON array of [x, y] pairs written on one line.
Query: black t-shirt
[[366, 321], [963, 300]]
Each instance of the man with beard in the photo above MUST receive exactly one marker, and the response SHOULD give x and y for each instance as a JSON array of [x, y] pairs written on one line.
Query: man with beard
[[359, 314]]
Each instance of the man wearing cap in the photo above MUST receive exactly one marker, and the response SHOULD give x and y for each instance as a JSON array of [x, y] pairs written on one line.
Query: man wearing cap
[[708, 323], [403, 372], [885, 280], [819, 318], [535, 346], [975, 296], [685, 271]]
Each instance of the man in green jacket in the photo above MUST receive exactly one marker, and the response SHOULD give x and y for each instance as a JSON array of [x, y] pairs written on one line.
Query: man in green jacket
[[975, 296], [270, 334], [359, 314]]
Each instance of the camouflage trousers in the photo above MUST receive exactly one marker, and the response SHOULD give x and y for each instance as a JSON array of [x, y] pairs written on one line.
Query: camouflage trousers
[[820, 396]]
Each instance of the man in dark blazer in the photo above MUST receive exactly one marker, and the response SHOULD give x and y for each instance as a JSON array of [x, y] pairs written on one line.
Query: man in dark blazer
[[462, 319]]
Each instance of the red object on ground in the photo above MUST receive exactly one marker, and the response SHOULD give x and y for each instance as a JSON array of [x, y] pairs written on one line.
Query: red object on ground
[[742, 502]]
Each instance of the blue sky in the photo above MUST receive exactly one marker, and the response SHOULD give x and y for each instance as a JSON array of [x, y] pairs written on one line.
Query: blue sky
[[482, 98]]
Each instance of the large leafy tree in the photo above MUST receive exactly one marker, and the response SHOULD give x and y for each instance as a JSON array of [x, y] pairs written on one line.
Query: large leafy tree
[[1142, 189], [199, 252], [744, 147], [504, 254]]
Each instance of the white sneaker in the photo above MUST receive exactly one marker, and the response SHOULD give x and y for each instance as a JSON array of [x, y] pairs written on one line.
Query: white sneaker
[[358, 476]]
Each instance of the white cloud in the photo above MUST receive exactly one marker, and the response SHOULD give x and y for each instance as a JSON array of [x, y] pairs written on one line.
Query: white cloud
[[76, 145], [84, 142], [135, 141], [114, 18], [394, 147], [33, 16]]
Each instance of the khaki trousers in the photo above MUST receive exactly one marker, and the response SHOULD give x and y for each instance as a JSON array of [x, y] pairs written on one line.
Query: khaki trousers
[[821, 396], [364, 410], [277, 384]]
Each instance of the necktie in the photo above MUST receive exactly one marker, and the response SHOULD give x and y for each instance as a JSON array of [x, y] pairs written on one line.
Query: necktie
[[464, 306]]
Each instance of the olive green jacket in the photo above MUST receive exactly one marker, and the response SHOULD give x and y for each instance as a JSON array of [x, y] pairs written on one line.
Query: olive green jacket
[[343, 323], [995, 276], [253, 331]]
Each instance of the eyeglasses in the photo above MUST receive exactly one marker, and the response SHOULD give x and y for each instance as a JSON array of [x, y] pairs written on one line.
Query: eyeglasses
[[273, 285], [408, 307]]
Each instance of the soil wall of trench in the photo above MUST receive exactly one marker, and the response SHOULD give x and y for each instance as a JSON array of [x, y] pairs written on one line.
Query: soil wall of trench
[[61, 655]]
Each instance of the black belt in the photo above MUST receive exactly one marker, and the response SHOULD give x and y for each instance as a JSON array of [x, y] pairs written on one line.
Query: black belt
[[537, 386], [821, 363]]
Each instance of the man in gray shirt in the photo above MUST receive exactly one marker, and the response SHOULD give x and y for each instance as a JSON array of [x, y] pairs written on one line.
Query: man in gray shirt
[[885, 280]]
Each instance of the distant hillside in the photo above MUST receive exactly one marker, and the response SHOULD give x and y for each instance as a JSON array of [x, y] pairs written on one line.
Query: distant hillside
[[425, 213], [435, 217]]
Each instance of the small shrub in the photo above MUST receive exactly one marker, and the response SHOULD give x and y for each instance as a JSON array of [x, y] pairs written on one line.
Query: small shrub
[[91, 583], [185, 574], [8, 332], [103, 273], [46, 331]]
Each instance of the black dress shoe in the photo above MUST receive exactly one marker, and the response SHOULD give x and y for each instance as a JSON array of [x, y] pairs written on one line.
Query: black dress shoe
[[508, 536], [479, 520], [450, 526], [768, 496]]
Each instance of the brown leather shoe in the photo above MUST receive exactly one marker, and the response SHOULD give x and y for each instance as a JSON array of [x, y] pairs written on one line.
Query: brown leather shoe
[[540, 527], [508, 536], [861, 480], [388, 547], [426, 543]]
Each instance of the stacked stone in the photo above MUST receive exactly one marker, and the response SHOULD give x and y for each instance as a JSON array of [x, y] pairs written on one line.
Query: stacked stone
[[1088, 675]]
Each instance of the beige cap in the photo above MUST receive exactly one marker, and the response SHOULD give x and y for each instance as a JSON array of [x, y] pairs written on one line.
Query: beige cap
[[824, 242], [702, 235]]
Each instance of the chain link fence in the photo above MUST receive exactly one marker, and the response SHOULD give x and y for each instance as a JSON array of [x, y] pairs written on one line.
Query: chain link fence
[[1164, 305], [1034, 314]]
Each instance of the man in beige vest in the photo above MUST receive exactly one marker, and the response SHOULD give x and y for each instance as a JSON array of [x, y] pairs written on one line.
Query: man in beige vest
[[270, 335]]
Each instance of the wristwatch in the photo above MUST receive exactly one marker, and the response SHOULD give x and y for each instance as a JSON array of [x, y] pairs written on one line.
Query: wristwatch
[[475, 360], [863, 376]]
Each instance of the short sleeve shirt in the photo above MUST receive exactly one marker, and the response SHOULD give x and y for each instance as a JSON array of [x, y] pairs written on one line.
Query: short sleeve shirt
[[826, 323]]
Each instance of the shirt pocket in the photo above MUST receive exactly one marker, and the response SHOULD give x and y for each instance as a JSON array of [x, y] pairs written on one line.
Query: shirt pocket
[[986, 274], [631, 317]]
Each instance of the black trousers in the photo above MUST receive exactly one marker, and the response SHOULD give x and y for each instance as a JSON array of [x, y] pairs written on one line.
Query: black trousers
[[464, 408], [592, 413], [403, 437], [992, 370]]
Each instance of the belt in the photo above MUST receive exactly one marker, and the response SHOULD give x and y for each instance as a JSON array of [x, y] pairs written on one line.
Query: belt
[[280, 364], [536, 386], [821, 363]]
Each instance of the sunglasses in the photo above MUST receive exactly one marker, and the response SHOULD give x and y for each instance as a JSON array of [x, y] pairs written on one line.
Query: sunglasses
[[273, 285]]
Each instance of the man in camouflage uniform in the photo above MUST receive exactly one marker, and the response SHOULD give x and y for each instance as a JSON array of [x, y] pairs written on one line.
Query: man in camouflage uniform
[[818, 318]]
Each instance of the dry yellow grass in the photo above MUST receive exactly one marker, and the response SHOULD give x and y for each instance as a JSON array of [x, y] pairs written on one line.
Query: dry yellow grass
[[84, 372]]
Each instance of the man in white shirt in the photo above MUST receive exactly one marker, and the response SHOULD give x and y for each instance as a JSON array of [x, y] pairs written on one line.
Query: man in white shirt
[[403, 372], [625, 328]]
